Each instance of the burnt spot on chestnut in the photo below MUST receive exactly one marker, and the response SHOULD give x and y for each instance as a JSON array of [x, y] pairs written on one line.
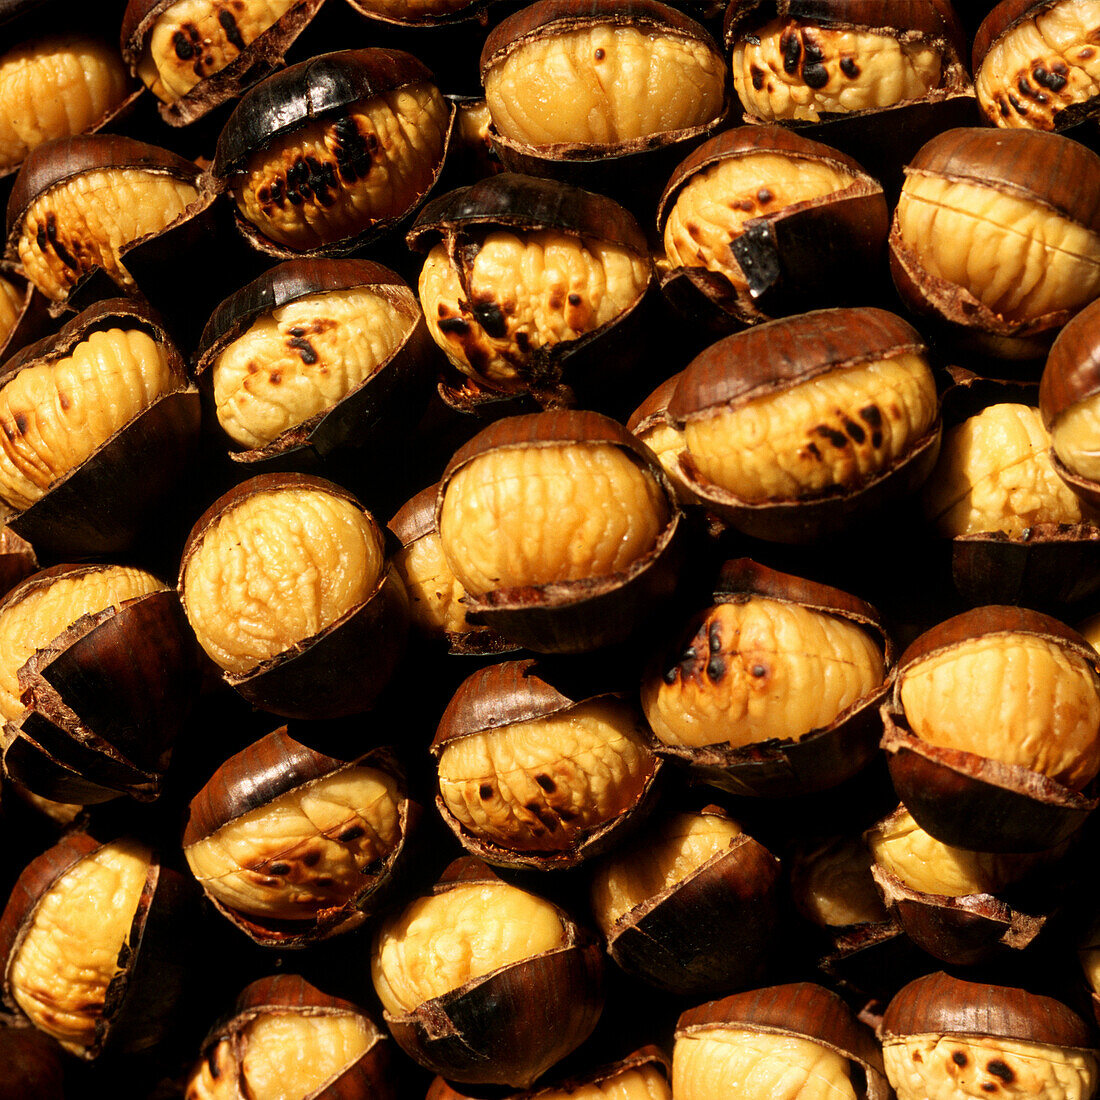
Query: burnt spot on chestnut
[[959, 1058]]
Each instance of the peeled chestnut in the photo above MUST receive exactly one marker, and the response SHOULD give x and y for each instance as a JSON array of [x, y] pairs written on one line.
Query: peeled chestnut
[[993, 730], [287, 1040], [285, 583], [485, 983], [292, 843]]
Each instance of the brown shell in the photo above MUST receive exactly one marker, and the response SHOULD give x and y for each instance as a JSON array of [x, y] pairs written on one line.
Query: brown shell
[[653, 411], [943, 1005], [1072, 371], [474, 9], [17, 560], [34, 315], [343, 669]]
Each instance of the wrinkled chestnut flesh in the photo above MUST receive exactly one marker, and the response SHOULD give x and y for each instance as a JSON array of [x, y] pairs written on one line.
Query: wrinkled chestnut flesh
[[1017, 698], [84, 221], [520, 293], [435, 596], [11, 305], [791, 70], [53, 88], [333, 179], [604, 85], [516, 517], [301, 359], [275, 570], [994, 473], [34, 615], [440, 943], [731, 1063], [1041, 67], [307, 850], [759, 670], [54, 415], [541, 785], [716, 205], [838, 430], [1014, 254], [935, 1066], [80, 929], [192, 40]]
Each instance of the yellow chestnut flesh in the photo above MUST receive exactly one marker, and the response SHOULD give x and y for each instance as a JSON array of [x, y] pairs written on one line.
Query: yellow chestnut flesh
[[303, 852], [603, 85], [994, 474], [435, 596], [1041, 66], [55, 88], [1074, 437], [38, 617], [638, 1083], [55, 415], [523, 516], [334, 179], [541, 785], [439, 943], [60, 972], [11, 305], [84, 222], [1016, 698], [303, 358], [275, 570], [834, 888], [1015, 255], [759, 670], [666, 441], [738, 1064], [194, 39], [656, 861], [793, 70], [544, 288], [950, 1067], [835, 430], [712, 210]]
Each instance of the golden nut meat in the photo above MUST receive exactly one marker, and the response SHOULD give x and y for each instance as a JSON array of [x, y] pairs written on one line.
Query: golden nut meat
[[832, 885]]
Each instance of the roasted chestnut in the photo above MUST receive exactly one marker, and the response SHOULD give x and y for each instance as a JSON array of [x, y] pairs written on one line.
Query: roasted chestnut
[[485, 983], [292, 843], [795, 427], [328, 154], [417, 13], [652, 423], [831, 882], [285, 583]]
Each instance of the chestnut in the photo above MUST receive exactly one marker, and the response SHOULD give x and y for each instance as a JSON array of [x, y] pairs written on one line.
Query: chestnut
[[529, 286], [421, 13], [795, 427], [83, 412], [287, 1038], [195, 56], [982, 756], [94, 945], [997, 235], [945, 1036], [541, 767], [652, 423], [775, 1041], [285, 583], [1036, 64], [306, 158], [24, 311], [759, 222], [292, 844], [732, 698], [485, 983], [831, 882], [562, 529]]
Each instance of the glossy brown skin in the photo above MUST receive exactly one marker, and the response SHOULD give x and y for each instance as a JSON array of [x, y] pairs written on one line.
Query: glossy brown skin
[[1072, 371]]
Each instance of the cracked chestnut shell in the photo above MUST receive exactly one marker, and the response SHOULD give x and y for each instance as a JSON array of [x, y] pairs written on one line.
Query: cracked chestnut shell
[[287, 1038], [799, 1034], [309, 159], [531, 286], [325, 627], [998, 763], [945, 1036], [198, 54], [99, 423], [731, 699], [316, 357], [421, 13], [759, 222], [562, 528], [796, 427], [94, 942], [294, 844], [539, 767], [526, 989]]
